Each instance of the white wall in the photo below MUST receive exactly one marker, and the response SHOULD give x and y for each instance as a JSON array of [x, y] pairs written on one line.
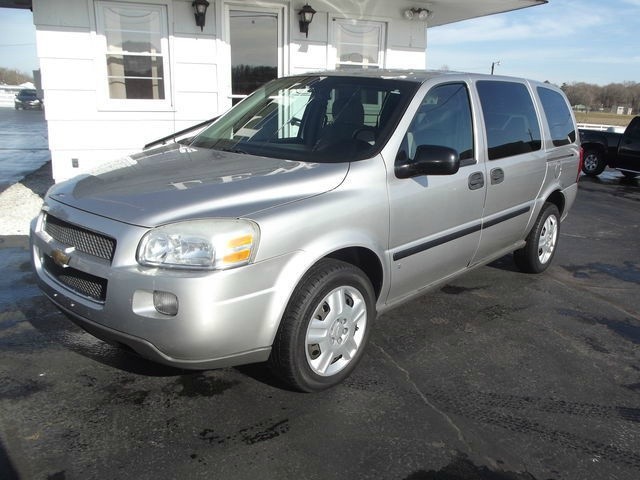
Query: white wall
[[405, 40], [83, 127]]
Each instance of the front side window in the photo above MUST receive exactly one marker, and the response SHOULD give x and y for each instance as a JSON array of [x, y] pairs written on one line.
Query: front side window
[[443, 119], [135, 49], [510, 118], [558, 117], [312, 118], [358, 44]]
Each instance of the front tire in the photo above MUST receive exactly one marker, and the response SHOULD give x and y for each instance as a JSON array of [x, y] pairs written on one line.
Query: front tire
[[542, 241], [593, 164], [325, 327]]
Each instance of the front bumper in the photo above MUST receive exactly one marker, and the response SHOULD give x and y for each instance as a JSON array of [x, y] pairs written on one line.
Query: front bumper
[[224, 318]]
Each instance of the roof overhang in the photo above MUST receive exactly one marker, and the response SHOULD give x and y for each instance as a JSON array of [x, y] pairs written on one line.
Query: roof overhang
[[26, 4], [451, 11], [442, 11]]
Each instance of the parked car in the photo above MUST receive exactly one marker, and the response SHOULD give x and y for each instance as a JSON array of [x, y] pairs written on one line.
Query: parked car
[[282, 230], [616, 150], [27, 99]]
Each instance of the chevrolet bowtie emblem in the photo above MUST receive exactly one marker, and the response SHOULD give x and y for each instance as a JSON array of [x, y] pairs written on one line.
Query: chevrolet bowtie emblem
[[62, 258]]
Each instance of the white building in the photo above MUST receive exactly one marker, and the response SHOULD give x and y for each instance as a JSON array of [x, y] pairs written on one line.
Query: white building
[[119, 74]]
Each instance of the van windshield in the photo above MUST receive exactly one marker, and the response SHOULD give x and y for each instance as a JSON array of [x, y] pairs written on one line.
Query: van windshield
[[313, 118]]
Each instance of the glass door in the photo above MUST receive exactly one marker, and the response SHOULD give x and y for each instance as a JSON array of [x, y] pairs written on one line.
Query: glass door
[[255, 42]]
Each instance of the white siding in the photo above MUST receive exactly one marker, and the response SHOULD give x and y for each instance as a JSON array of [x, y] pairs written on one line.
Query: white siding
[[83, 126]]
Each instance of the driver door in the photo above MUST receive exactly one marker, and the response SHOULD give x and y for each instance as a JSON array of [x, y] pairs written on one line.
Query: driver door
[[436, 220]]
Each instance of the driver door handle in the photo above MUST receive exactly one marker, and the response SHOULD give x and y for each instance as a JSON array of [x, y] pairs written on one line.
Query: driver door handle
[[476, 181]]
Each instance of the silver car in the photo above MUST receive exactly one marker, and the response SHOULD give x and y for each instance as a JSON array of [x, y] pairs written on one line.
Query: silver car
[[282, 230]]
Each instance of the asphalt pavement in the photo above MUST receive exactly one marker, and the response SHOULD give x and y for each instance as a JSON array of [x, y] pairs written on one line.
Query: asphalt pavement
[[497, 375]]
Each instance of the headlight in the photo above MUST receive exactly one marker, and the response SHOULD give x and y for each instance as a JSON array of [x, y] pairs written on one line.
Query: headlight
[[200, 244]]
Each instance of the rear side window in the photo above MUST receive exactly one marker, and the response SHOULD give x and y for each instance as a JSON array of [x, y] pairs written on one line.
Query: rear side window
[[558, 117], [510, 119]]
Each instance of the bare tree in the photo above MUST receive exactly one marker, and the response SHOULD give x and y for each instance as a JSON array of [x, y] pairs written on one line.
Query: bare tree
[[596, 97], [13, 77]]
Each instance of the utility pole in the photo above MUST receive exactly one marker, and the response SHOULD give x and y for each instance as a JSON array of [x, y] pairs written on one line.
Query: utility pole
[[493, 65]]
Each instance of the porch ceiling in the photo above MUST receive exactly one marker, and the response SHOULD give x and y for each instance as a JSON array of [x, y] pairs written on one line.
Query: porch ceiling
[[15, 4], [450, 11], [443, 11]]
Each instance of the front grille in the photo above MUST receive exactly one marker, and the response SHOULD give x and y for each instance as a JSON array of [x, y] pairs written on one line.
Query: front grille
[[83, 240], [80, 282]]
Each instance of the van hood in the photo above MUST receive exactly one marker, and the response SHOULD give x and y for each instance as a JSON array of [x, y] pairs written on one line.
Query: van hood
[[174, 183]]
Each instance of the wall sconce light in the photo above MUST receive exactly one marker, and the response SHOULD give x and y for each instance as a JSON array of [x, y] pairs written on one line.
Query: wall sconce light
[[200, 9], [306, 15], [417, 14]]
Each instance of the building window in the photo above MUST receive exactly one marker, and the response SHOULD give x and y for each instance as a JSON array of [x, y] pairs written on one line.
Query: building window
[[135, 49], [358, 44]]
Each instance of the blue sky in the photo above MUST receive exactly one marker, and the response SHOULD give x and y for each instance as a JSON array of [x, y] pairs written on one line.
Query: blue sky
[[17, 40], [592, 41]]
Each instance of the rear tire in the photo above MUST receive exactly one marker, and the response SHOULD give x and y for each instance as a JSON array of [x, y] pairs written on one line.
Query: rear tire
[[593, 164], [325, 327], [542, 242]]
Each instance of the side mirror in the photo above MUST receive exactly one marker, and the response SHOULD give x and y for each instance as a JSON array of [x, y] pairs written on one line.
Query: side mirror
[[430, 160]]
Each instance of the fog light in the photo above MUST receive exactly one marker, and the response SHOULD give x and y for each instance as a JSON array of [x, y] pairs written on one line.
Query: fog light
[[165, 303]]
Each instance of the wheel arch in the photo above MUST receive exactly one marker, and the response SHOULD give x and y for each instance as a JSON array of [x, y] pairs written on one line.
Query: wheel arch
[[366, 260], [360, 255], [600, 147], [557, 198]]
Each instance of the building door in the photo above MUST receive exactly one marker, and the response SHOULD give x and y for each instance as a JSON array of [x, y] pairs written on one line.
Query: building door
[[255, 37]]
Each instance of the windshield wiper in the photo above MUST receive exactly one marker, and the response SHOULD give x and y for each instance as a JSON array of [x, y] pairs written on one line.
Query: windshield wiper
[[232, 150]]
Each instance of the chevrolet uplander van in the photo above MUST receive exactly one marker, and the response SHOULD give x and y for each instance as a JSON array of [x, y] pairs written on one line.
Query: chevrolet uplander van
[[280, 231]]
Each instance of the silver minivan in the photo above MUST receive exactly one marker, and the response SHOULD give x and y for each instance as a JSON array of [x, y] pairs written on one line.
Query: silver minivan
[[281, 230]]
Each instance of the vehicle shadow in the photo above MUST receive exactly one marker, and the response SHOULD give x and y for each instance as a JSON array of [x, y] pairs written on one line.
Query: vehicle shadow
[[57, 329], [505, 263], [7, 468], [261, 372], [60, 330], [610, 177]]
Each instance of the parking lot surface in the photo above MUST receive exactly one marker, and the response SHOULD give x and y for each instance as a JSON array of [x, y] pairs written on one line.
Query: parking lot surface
[[497, 375], [24, 144]]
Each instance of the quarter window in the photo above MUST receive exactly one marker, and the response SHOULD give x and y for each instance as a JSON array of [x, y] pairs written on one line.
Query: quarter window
[[510, 119], [135, 49], [558, 117]]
